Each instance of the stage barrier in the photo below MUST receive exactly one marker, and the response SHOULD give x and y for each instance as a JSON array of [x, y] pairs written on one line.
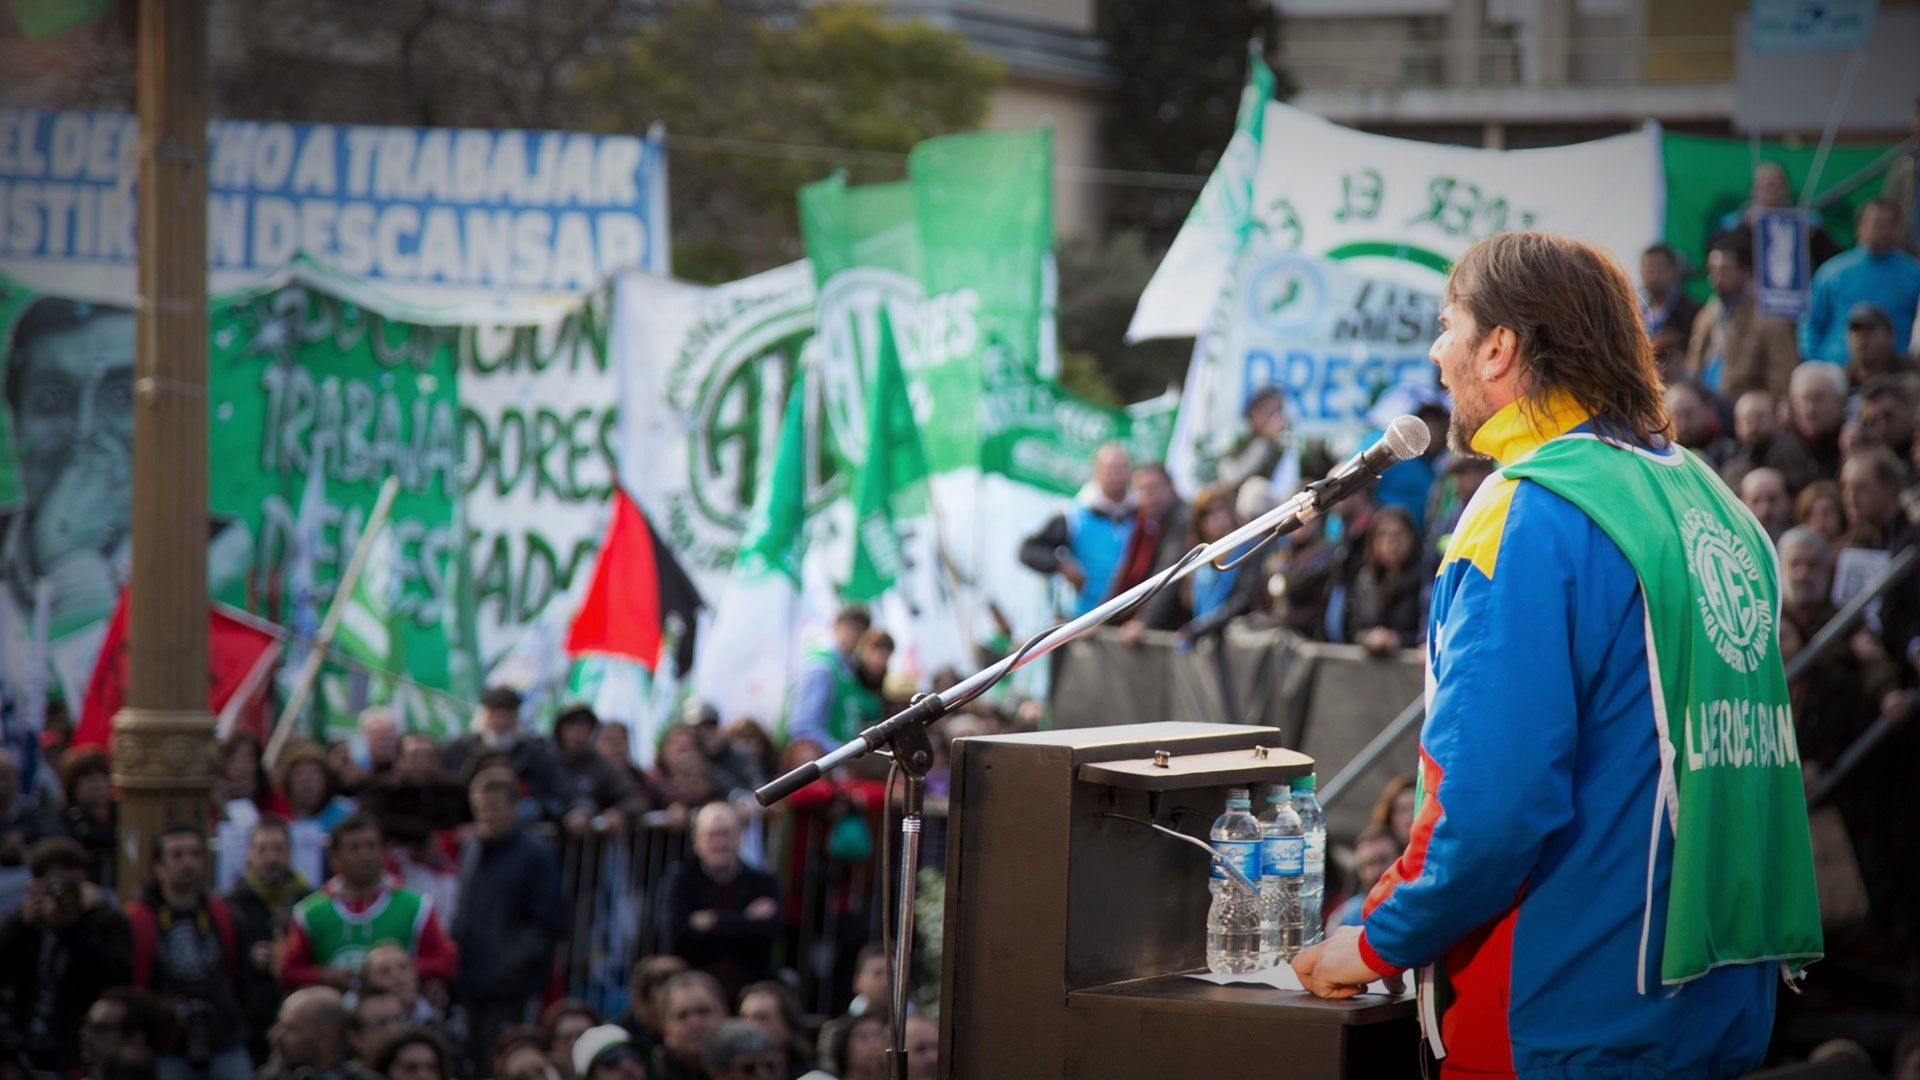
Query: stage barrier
[[829, 901], [1328, 701]]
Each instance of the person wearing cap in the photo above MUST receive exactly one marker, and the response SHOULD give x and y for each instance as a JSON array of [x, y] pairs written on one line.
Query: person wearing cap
[[731, 768], [1262, 449], [607, 1052], [1870, 348], [497, 733], [1876, 271]]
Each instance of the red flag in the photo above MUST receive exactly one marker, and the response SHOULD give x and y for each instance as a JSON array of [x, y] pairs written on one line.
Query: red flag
[[240, 655], [636, 584]]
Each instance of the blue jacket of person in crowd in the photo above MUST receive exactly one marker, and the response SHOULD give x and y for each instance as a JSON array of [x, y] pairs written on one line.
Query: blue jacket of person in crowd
[[1095, 532], [1891, 280], [511, 917], [1098, 542], [1405, 484]]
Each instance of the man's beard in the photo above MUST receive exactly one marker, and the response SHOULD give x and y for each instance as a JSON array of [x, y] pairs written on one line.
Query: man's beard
[[1464, 424], [1459, 439]]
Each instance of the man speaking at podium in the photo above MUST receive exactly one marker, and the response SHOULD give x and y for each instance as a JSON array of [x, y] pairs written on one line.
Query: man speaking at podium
[[1609, 865]]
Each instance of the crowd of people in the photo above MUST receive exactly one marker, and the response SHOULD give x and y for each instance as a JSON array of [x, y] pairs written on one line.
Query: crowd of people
[[431, 945], [424, 938]]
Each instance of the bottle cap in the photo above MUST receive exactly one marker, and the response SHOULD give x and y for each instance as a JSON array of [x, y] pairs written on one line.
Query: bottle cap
[[1304, 783], [1279, 793], [1238, 797]]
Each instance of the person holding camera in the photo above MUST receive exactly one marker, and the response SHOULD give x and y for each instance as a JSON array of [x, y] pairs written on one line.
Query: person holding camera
[[186, 946], [63, 947]]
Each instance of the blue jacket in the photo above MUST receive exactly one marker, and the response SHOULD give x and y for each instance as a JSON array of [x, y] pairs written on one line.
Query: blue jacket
[[1891, 281], [1535, 879], [1095, 534]]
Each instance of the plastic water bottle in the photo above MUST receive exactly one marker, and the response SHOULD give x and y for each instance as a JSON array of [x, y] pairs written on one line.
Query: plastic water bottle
[[1313, 881], [1283, 859], [1233, 919]]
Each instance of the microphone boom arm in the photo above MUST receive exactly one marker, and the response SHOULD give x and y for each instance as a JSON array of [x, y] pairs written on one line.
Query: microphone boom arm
[[1407, 437]]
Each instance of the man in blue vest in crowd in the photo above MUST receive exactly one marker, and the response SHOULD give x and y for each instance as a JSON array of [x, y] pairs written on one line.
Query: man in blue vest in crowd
[[1086, 544]]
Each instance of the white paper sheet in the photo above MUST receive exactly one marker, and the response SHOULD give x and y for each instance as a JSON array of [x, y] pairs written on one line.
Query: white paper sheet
[[1279, 977]]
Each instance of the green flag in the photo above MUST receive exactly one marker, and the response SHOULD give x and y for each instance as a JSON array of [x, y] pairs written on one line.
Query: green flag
[[775, 538], [984, 202], [367, 630], [896, 464], [1196, 268], [42, 19], [372, 634], [960, 256]]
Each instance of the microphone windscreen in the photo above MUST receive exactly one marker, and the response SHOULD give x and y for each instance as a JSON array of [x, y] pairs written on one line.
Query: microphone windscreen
[[1407, 437]]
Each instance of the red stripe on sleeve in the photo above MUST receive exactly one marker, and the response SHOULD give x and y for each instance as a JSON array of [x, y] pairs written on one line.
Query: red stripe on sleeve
[[1411, 861]]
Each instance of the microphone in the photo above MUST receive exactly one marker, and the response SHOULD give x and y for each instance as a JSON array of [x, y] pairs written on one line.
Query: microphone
[[1407, 437]]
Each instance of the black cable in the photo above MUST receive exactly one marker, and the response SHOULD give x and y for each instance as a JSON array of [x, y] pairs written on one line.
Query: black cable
[[896, 1024]]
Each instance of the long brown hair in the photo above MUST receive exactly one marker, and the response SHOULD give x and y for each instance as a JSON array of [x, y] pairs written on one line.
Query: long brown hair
[[1578, 325]]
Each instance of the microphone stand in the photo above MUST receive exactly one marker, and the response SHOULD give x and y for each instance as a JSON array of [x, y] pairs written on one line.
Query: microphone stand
[[903, 737]]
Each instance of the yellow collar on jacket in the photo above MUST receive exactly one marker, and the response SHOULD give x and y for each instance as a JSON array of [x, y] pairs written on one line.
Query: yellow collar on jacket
[[1516, 431]]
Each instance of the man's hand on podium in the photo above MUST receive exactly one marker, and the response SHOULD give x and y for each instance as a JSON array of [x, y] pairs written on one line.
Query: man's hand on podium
[[1334, 969]]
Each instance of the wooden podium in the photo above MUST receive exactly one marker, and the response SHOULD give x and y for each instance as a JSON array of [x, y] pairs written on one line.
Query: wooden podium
[[1070, 932]]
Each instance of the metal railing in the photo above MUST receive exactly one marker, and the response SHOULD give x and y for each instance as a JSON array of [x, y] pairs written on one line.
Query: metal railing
[[830, 905], [1830, 635], [612, 883]]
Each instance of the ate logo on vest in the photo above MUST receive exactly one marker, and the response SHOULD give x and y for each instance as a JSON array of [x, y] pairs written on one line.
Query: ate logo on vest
[[1730, 589]]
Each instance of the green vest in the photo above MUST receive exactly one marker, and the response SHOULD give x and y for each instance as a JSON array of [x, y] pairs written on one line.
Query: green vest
[[1742, 888], [340, 939], [851, 708]]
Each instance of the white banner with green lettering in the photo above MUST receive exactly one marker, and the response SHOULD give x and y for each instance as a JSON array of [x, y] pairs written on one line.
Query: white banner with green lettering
[[1314, 259]]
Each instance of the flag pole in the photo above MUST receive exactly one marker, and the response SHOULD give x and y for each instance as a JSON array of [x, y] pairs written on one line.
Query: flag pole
[[310, 670], [1833, 126]]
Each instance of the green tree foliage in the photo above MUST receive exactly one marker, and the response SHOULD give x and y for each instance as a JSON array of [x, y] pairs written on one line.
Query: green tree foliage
[[1100, 282], [1181, 66], [836, 85]]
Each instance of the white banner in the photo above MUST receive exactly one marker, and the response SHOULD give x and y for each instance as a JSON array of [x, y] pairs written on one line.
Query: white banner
[[1333, 340], [704, 373], [1403, 211], [704, 377], [482, 211]]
